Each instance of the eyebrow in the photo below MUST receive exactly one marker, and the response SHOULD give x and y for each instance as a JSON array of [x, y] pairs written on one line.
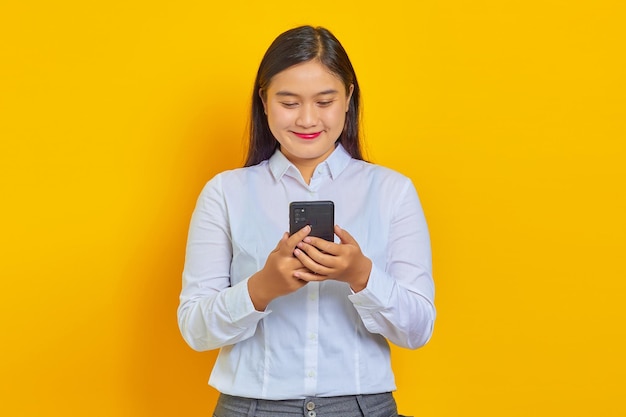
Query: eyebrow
[[290, 94]]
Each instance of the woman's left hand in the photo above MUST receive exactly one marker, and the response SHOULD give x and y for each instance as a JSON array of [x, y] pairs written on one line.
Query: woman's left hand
[[338, 261]]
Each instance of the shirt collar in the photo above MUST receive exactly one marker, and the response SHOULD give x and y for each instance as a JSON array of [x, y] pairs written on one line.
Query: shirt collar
[[336, 162]]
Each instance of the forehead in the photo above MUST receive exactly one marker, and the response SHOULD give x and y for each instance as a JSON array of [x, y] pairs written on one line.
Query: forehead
[[307, 78]]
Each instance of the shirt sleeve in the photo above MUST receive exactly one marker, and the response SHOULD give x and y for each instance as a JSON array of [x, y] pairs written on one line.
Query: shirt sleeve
[[212, 313], [398, 301]]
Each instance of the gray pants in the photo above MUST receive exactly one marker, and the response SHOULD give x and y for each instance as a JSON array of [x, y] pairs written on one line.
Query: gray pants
[[372, 405]]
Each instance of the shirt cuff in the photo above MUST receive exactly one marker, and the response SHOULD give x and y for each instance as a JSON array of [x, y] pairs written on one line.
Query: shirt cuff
[[375, 296], [239, 306]]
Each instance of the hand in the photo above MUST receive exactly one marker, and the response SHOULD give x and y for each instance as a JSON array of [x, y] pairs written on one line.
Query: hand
[[328, 260], [278, 276]]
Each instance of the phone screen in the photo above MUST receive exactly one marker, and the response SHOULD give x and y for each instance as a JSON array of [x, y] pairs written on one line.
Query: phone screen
[[320, 215]]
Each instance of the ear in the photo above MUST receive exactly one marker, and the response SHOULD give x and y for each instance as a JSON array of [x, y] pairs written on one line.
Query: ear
[[262, 95], [350, 91]]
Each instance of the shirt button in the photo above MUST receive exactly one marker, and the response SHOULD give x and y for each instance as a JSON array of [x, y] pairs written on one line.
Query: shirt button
[[311, 374], [312, 336], [312, 413], [310, 405]]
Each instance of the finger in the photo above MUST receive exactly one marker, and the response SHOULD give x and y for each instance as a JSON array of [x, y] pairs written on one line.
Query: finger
[[288, 243], [316, 254], [344, 236], [299, 235], [310, 264], [281, 243], [308, 276], [293, 263], [297, 273], [322, 244]]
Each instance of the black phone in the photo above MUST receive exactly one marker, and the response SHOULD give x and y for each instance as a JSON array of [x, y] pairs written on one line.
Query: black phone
[[320, 215]]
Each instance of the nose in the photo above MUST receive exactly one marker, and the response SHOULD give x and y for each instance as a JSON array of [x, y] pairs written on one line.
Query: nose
[[307, 116]]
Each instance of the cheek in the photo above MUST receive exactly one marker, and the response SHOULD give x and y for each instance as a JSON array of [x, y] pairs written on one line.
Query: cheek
[[277, 117], [336, 119]]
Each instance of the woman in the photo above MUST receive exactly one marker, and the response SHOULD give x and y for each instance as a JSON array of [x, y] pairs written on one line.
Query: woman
[[302, 323]]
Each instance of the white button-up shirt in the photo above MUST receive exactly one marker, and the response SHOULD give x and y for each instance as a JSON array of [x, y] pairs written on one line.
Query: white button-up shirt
[[324, 339]]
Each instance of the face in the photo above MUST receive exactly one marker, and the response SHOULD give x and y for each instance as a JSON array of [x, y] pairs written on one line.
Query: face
[[306, 109]]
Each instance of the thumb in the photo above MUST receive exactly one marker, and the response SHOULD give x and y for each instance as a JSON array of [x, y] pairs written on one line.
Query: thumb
[[344, 236], [282, 241]]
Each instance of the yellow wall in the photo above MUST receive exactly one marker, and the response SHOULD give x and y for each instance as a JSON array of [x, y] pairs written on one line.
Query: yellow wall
[[508, 115]]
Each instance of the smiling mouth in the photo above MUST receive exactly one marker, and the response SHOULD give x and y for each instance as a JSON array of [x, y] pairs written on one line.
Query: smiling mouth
[[307, 136]]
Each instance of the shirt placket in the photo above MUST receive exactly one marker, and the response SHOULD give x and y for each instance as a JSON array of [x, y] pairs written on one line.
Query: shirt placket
[[311, 348], [311, 339], [312, 302]]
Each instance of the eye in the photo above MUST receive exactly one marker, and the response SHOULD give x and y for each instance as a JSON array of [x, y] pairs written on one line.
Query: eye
[[325, 103], [289, 105]]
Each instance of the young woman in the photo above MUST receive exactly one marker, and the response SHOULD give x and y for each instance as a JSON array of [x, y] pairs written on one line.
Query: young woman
[[303, 323]]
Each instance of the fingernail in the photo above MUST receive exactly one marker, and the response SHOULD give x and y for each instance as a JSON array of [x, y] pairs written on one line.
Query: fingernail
[[307, 240]]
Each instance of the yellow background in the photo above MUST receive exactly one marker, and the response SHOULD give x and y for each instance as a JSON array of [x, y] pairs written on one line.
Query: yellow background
[[508, 115]]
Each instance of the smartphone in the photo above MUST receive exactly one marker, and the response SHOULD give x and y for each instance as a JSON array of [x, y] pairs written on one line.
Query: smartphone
[[320, 215]]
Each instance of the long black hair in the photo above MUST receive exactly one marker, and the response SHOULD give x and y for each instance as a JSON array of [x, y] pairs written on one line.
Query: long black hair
[[295, 46]]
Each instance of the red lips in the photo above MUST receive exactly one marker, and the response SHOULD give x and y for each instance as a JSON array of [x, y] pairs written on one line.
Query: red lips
[[307, 136]]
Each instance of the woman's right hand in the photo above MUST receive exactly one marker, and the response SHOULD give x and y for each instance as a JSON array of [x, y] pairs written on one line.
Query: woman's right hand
[[277, 276]]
